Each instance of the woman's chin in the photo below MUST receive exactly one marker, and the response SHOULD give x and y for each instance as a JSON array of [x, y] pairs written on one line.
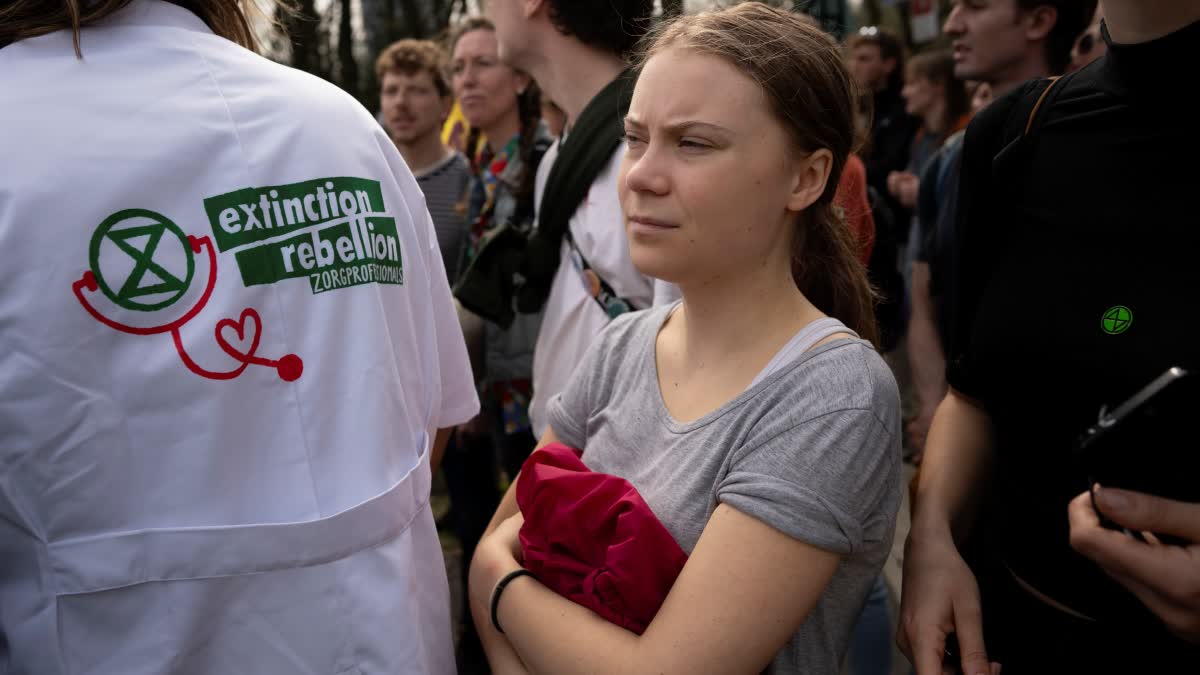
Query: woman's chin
[[655, 263]]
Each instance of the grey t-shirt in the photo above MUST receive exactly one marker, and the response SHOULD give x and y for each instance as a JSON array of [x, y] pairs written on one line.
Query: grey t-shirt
[[812, 450], [445, 188]]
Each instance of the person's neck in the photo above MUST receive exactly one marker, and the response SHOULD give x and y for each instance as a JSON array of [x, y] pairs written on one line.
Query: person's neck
[[935, 118], [505, 128], [1132, 22], [572, 73], [720, 324], [424, 153], [1033, 67]]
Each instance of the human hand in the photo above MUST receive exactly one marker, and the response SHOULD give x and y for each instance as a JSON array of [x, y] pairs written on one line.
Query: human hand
[[508, 536], [917, 430], [1165, 578], [940, 597], [907, 185]]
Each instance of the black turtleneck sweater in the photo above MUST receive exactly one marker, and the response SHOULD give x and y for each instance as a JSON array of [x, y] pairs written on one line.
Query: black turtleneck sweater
[[1102, 213]]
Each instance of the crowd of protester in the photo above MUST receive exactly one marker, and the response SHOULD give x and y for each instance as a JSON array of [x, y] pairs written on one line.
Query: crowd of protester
[[673, 306]]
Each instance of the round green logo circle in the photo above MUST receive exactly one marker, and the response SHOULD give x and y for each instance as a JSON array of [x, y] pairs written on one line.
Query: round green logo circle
[[151, 285], [1116, 320]]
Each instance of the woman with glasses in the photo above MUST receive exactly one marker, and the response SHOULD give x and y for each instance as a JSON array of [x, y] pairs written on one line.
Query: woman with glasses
[[505, 144], [1090, 45]]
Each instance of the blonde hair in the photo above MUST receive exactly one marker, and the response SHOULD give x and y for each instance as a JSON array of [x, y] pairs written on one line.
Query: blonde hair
[[803, 75], [20, 19]]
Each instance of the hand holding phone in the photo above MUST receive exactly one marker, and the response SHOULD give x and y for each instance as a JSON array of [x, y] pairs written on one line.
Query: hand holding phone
[[1147, 444]]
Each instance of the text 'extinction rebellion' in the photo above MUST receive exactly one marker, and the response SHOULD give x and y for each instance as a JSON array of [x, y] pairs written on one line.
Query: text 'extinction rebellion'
[[330, 230]]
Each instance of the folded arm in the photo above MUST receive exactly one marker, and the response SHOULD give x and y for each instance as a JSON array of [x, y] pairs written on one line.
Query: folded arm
[[736, 603]]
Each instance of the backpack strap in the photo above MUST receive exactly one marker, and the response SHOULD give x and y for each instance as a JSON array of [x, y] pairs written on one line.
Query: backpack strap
[[582, 155], [1038, 104], [1024, 122]]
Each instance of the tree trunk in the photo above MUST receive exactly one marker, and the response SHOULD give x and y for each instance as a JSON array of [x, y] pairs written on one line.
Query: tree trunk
[[303, 35], [347, 67]]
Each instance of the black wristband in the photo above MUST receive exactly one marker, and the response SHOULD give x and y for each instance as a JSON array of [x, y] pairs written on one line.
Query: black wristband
[[500, 589]]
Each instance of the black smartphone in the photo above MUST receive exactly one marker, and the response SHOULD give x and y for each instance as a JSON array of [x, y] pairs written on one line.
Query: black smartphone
[[1148, 443]]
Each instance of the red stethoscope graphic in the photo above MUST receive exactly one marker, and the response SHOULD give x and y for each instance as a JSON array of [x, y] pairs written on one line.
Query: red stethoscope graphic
[[289, 367]]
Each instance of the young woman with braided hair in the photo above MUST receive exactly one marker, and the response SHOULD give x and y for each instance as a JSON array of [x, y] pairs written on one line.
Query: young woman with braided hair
[[506, 142], [505, 145]]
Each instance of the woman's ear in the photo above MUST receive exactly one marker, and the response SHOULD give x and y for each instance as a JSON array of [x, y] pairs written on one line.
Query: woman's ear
[[812, 173], [531, 7], [1040, 21]]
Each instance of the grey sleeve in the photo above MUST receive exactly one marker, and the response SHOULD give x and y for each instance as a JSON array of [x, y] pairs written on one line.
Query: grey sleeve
[[830, 481], [568, 412]]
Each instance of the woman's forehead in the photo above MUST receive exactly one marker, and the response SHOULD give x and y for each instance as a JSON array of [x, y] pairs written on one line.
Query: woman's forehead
[[680, 82]]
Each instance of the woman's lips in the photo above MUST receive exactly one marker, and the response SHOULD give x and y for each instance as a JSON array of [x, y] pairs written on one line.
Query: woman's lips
[[652, 222]]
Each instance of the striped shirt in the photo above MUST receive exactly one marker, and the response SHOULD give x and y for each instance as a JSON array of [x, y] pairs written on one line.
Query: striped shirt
[[445, 187]]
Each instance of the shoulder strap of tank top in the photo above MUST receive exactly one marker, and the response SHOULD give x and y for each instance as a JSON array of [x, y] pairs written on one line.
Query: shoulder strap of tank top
[[807, 338]]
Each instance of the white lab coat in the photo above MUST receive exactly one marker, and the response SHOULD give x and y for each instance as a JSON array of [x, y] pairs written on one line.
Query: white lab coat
[[226, 340]]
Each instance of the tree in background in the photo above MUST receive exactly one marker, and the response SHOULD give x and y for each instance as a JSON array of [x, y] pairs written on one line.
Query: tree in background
[[832, 15], [347, 64], [297, 39], [338, 40]]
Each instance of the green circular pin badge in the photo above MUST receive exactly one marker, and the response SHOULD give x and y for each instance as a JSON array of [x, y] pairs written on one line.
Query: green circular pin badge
[[1116, 320], [150, 286]]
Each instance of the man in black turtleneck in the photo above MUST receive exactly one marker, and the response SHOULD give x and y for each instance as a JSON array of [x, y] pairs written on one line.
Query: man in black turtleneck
[[1076, 288]]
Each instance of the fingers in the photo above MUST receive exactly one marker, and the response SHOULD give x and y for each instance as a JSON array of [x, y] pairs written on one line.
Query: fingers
[[1081, 514], [922, 641], [929, 651], [968, 624], [1166, 579], [1179, 617], [1120, 554], [1139, 511]]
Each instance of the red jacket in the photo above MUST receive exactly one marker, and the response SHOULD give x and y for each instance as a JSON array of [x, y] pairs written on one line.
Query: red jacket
[[592, 539], [851, 195]]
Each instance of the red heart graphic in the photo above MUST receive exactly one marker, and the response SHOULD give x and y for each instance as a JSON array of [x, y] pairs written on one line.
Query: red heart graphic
[[240, 327]]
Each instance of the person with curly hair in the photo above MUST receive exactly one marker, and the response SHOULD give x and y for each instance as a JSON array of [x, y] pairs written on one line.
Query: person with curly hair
[[414, 100]]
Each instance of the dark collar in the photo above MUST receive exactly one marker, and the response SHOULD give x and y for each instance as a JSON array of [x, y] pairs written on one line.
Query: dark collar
[[1154, 63]]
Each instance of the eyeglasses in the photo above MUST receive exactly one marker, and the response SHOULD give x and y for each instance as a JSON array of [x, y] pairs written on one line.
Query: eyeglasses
[[868, 31], [1087, 42]]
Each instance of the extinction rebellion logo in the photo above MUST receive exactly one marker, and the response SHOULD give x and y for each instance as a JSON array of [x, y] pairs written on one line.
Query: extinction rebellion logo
[[331, 231], [143, 275]]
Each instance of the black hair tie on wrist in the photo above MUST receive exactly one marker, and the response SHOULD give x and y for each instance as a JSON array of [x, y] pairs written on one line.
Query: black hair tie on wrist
[[521, 572]]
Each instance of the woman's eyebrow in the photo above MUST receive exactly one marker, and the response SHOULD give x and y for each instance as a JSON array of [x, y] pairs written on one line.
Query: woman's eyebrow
[[681, 126]]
